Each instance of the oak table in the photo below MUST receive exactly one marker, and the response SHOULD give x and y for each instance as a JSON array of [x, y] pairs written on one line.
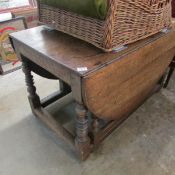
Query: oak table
[[106, 87]]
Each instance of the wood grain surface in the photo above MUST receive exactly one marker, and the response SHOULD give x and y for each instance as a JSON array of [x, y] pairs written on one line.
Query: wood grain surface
[[114, 81], [119, 87], [59, 51]]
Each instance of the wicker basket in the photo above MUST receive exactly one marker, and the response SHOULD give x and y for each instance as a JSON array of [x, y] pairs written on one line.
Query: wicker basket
[[127, 21]]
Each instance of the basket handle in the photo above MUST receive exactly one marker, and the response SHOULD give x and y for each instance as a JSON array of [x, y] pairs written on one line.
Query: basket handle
[[150, 6]]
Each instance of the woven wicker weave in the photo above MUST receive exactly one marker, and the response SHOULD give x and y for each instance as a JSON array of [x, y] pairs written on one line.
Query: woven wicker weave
[[127, 21]]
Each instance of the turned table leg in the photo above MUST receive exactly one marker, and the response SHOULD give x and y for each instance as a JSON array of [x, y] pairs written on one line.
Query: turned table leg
[[82, 140], [33, 97]]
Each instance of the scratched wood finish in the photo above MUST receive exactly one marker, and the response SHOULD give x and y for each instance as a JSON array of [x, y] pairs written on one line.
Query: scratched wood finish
[[59, 53], [119, 87]]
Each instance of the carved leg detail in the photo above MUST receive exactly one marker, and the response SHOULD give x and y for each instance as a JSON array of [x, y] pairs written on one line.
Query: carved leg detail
[[33, 97], [82, 140], [95, 128]]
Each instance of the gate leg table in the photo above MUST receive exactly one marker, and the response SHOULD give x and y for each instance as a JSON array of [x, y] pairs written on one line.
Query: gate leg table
[[106, 87]]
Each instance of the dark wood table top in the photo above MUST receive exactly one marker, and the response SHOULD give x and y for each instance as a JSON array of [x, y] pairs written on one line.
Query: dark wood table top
[[70, 52]]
